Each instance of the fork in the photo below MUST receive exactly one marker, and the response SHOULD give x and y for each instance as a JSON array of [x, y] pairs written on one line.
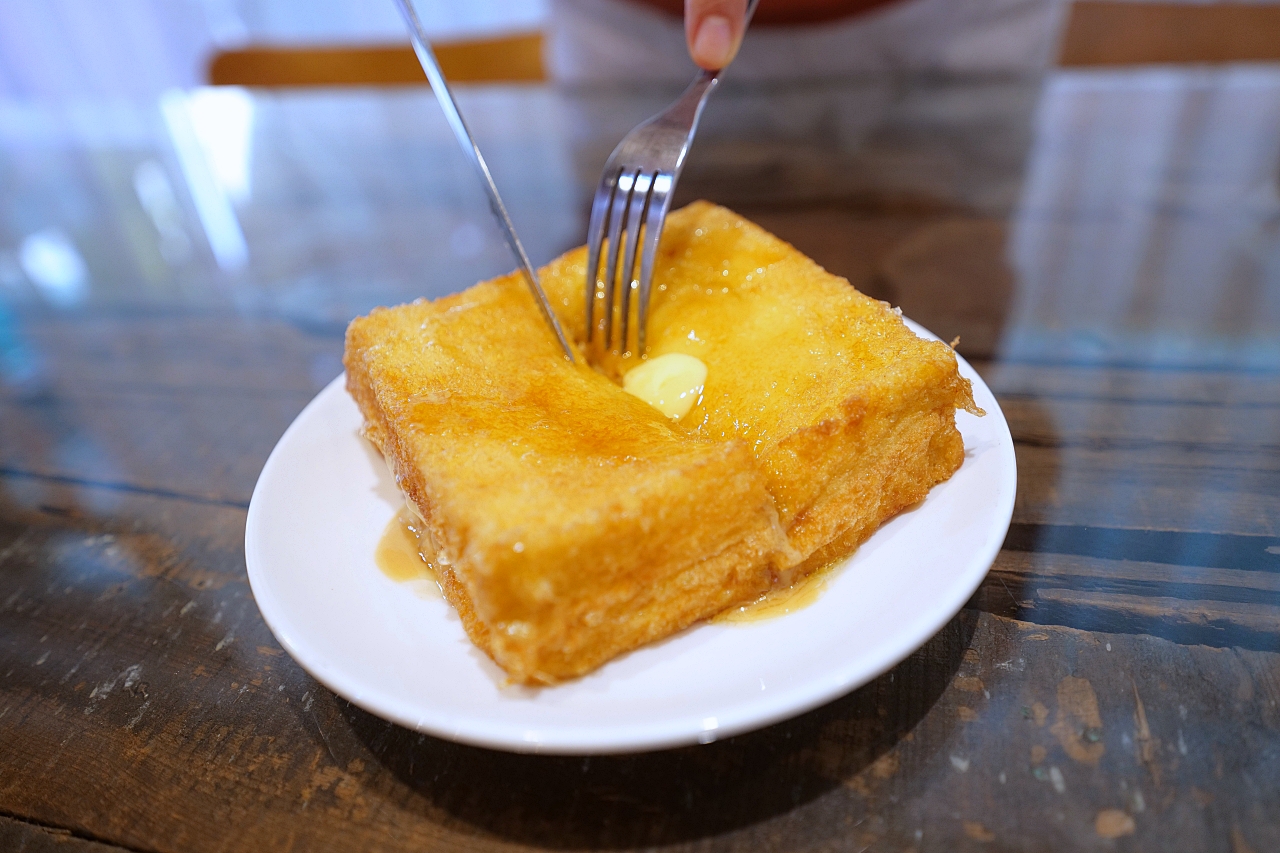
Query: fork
[[631, 204]]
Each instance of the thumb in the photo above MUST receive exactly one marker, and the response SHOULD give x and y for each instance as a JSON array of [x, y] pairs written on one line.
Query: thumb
[[714, 30]]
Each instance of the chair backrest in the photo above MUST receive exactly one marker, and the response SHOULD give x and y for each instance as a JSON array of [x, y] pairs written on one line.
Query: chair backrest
[[515, 58], [1105, 32]]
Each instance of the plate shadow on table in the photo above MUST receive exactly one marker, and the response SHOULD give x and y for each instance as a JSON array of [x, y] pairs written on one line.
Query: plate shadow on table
[[676, 795]]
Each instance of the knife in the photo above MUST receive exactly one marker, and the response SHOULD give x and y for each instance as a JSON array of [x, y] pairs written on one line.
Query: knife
[[427, 58]]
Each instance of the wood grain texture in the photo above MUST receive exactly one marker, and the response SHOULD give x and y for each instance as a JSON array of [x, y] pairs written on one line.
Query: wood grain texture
[[182, 407], [133, 655], [18, 836], [1112, 685], [161, 731]]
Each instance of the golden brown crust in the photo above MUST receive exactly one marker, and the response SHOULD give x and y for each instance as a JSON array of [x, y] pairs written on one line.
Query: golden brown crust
[[572, 522]]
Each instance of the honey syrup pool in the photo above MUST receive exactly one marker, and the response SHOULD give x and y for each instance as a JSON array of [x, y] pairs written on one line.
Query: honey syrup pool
[[399, 556], [780, 602]]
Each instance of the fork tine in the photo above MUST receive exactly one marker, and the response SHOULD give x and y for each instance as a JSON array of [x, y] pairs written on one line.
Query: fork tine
[[617, 222], [600, 209], [635, 218], [655, 215], [655, 148]]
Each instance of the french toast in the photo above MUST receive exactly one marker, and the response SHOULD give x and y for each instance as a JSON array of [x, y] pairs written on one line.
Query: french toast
[[571, 522]]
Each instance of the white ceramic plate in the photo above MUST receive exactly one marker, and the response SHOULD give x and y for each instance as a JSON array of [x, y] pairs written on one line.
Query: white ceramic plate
[[324, 498]]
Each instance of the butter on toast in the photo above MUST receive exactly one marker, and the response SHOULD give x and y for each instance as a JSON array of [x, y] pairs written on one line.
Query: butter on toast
[[569, 521], [851, 415]]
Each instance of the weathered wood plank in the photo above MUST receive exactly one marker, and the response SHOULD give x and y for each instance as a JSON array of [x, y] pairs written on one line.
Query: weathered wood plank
[[868, 765], [1112, 610], [18, 836], [143, 701], [183, 404], [1105, 425], [1222, 585], [1225, 592], [1223, 617], [1129, 385], [181, 350], [1145, 550], [205, 446], [1151, 488]]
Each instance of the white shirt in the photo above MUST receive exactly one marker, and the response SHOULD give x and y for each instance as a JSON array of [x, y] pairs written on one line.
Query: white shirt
[[611, 41]]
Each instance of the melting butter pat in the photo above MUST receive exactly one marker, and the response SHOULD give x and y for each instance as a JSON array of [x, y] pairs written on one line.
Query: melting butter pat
[[671, 383]]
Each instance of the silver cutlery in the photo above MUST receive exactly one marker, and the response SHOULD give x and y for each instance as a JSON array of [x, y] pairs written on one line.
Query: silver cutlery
[[427, 58], [630, 206]]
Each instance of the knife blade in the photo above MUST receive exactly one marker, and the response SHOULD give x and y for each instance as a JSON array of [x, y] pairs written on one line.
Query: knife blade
[[427, 57]]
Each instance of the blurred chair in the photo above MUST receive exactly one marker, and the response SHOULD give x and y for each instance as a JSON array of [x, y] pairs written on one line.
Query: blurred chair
[[515, 58], [1098, 33]]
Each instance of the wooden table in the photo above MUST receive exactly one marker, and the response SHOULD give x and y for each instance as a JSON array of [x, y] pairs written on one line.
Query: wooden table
[[1106, 245]]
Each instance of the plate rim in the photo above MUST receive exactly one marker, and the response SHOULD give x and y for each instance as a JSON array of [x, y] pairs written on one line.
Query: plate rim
[[678, 730]]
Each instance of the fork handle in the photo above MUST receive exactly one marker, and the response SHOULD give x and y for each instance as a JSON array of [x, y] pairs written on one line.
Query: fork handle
[[687, 109]]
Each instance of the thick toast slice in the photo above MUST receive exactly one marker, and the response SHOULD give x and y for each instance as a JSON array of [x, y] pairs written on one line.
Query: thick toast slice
[[570, 522], [573, 522], [850, 415]]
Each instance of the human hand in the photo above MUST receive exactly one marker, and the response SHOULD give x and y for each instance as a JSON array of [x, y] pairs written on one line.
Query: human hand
[[714, 30]]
